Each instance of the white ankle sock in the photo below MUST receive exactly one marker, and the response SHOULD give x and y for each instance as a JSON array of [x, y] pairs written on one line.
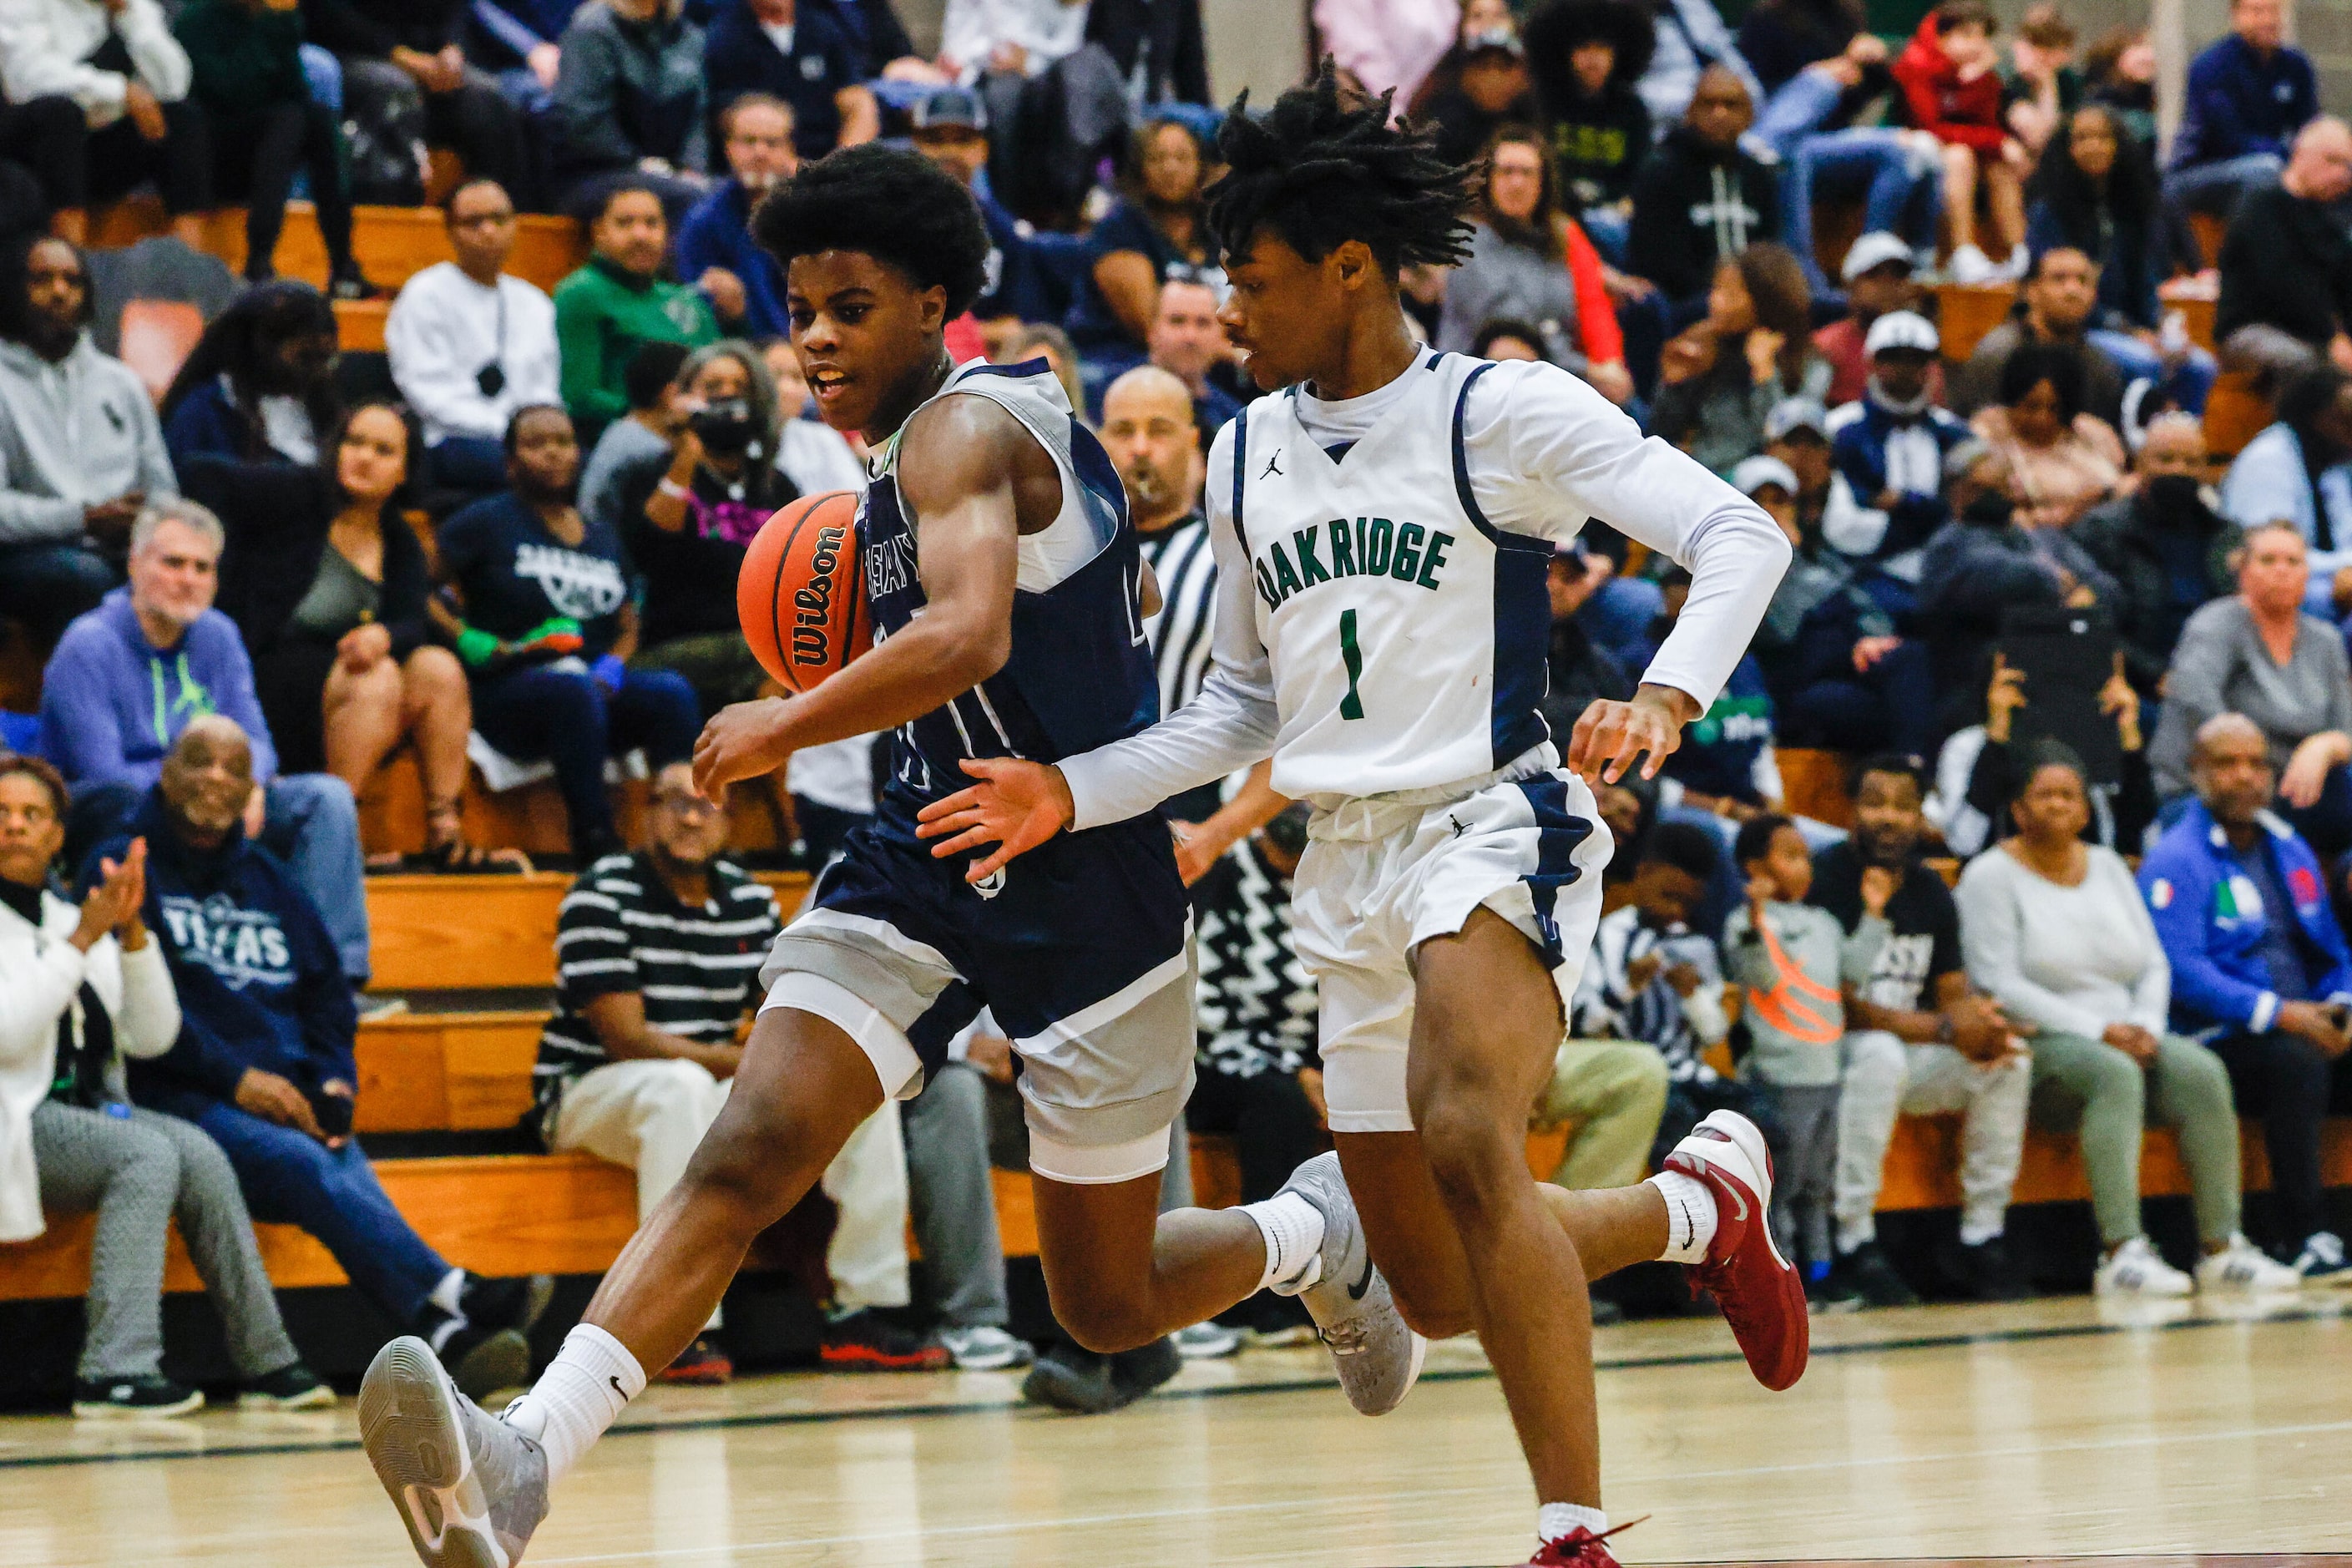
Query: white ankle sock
[[1293, 1229], [591, 1378], [1557, 1520], [447, 1294], [1690, 1217]]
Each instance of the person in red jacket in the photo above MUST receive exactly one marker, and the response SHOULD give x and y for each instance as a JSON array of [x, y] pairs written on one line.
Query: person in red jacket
[[1949, 80]]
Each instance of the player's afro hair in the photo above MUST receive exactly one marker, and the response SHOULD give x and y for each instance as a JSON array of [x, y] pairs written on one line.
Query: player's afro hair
[[892, 204], [1324, 166]]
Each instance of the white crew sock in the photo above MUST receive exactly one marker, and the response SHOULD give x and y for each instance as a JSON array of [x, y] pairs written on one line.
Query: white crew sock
[[1293, 1229], [449, 1292], [1976, 1233], [1558, 1520], [593, 1377], [1690, 1217], [1854, 1235]]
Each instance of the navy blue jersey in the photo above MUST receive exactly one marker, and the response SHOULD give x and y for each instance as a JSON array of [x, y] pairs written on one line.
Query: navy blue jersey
[[1080, 674]]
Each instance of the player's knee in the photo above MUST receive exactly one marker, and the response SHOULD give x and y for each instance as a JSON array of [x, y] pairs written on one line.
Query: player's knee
[[1104, 1322], [740, 1169], [1430, 1310], [1470, 1155]]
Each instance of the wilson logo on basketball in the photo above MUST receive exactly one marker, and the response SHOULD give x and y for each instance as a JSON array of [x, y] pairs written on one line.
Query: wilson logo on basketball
[[801, 596], [813, 620]]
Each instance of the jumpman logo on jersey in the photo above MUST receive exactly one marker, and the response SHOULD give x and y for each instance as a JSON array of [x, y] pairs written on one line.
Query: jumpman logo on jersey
[[1273, 466], [1457, 825]]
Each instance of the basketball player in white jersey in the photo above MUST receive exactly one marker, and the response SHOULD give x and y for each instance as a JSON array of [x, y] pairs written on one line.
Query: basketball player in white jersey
[[1383, 530]]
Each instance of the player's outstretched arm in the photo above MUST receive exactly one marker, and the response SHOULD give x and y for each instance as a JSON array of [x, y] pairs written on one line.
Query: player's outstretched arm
[[1016, 805], [965, 465]]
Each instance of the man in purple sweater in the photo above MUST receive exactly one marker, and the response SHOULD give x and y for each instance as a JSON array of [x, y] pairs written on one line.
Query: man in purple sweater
[[129, 675]]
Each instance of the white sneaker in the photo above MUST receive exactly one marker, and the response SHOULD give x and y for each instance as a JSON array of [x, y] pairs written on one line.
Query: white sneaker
[[2243, 1265], [2020, 262], [2136, 1268], [1375, 1351], [1207, 1341], [984, 1347], [1970, 265], [469, 1488]]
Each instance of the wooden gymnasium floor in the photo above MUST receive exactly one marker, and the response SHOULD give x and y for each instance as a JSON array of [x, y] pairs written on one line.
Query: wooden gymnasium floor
[[2037, 1433]]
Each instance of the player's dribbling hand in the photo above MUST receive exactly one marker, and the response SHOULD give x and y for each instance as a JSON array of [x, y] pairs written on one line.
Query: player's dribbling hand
[[742, 741], [1016, 805], [1613, 734]]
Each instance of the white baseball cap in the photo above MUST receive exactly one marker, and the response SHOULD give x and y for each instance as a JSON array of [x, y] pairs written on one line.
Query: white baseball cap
[[1901, 330], [1754, 473], [1876, 248]]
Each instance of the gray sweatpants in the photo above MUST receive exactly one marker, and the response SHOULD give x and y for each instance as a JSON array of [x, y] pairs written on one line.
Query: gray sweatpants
[[951, 1203], [1803, 1184], [1885, 1078], [139, 1173]]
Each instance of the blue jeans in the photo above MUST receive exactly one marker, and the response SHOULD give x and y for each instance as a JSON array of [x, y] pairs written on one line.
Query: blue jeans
[[2184, 386], [314, 824], [1610, 232], [559, 713], [1904, 196], [2216, 188], [47, 586], [291, 1178], [310, 821], [1619, 617], [1889, 707], [323, 77]]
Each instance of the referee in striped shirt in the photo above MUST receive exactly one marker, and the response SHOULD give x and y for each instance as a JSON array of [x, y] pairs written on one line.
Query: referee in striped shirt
[[658, 971], [1149, 430]]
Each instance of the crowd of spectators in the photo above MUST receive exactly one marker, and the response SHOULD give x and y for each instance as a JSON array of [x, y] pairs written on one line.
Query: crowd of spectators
[[2066, 642]]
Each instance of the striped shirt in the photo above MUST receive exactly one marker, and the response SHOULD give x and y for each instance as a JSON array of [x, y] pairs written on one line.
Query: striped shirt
[[620, 930], [1608, 1006], [1180, 559]]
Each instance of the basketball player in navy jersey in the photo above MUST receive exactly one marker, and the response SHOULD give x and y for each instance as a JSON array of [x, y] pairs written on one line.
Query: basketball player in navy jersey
[[1383, 530], [1008, 600]]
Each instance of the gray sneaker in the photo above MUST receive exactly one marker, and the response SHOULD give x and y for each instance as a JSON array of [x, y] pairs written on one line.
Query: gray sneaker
[[1378, 1356], [469, 1488]]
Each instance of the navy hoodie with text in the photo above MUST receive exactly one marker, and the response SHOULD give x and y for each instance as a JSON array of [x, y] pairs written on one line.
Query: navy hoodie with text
[[259, 982]]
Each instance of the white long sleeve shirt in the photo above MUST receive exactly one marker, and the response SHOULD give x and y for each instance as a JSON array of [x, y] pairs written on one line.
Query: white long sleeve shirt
[[1542, 452], [44, 43], [444, 327]]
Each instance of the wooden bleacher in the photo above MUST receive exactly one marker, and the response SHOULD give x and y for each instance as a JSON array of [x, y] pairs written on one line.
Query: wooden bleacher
[[392, 244], [1967, 312], [463, 933], [554, 1214]]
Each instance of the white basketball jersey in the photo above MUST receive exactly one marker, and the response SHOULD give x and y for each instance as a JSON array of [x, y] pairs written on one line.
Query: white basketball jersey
[[1407, 634]]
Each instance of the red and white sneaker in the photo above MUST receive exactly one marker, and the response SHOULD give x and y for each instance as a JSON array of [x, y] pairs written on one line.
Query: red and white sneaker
[[1763, 1297], [1579, 1548]]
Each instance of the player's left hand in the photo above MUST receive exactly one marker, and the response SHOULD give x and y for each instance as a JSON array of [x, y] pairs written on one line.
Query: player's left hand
[[1016, 805], [742, 741], [1611, 734]]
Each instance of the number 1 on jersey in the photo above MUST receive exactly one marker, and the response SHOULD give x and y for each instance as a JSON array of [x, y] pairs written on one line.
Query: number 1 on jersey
[[1352, 705]]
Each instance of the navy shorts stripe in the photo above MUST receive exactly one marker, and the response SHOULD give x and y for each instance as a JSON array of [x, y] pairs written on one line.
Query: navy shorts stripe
[[1559, 832]]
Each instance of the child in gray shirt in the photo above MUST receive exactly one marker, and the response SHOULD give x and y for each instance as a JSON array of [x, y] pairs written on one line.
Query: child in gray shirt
[[1794, 961]]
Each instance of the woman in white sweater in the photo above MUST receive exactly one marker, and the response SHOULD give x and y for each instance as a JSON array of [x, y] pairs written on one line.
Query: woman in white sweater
[[80, 988], [2055, 928]]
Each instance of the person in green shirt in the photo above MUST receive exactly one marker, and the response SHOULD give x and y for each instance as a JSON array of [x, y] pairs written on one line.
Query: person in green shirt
[[247, 74], [617, 302]]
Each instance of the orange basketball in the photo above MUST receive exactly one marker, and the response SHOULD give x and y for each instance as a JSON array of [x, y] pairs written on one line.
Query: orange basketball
[[801, 593]]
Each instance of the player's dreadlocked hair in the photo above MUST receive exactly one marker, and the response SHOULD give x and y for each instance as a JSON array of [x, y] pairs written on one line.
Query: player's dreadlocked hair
[[1324, 166], [892, 204]]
